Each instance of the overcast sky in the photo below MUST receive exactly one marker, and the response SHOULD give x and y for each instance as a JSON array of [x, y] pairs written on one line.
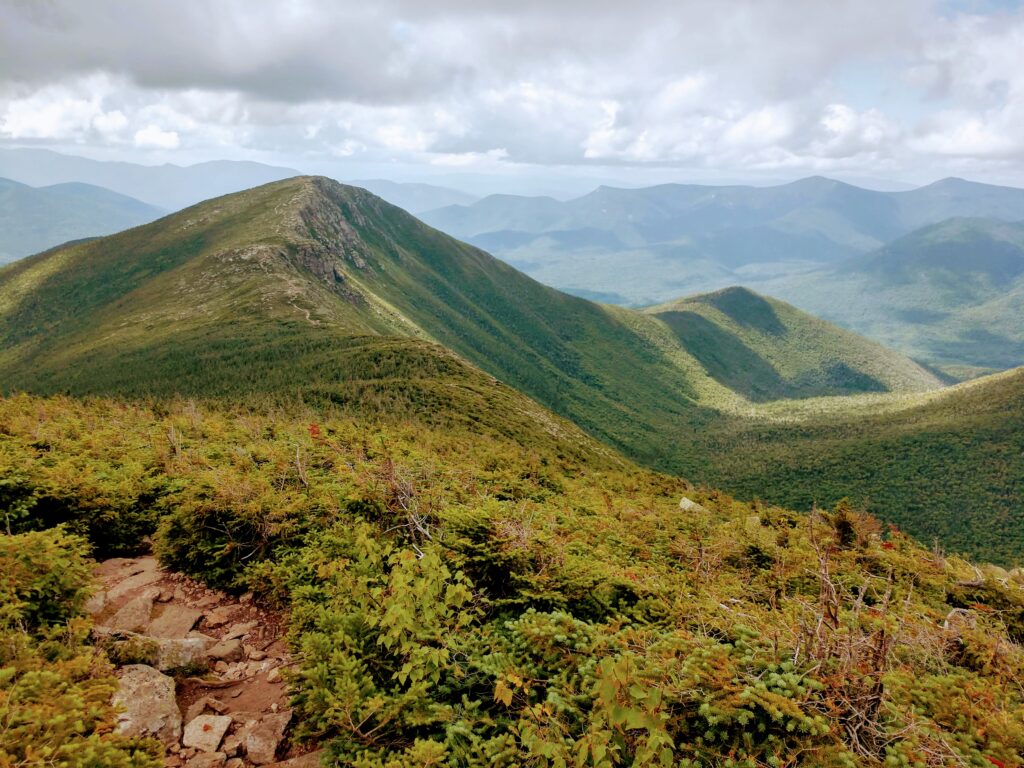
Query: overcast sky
[[631, 90]]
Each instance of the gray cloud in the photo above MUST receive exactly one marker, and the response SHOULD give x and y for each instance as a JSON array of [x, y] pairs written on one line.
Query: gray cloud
[[793, 85]]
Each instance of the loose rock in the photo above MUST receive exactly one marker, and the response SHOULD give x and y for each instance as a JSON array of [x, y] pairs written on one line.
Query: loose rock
[[205, 732], [237, 630], [134, 615], [226, 650], [218, 617], [207, 760], [266, 736], [174, 621], [689, 505]]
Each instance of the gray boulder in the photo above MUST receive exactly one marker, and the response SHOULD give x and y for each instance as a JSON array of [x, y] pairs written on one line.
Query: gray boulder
[[145, 697]]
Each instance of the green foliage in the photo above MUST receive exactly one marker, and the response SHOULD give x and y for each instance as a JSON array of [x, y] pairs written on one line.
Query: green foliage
[[43, 579], [457, 599], [946, 469]]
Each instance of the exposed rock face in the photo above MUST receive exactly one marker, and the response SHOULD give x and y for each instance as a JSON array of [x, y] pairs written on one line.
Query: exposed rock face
[[264, 737], [146, 697], [206, 732], [142, 579]]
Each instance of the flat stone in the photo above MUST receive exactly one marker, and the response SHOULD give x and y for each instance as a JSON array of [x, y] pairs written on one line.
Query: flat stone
[[206, 732], [129, 585], [218, 617], [255, 654], [145, 697], [226, 650], [266, 736], [178, 654], [174, 621], [134, 615], [207, 760], [238, 630], [274, 675], [235, 762]]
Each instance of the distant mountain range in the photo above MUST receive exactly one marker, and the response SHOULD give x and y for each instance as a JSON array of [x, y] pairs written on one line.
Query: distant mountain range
[[308, 288], [166, 186], [172, 187], [951, 293], [415, 197], [33, 219], [642, 246]]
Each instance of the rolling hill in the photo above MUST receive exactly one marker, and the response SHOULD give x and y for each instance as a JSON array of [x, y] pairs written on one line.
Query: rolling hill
[[947, 293], [641, 246], [765, 349], [35, 218], [309, 289]]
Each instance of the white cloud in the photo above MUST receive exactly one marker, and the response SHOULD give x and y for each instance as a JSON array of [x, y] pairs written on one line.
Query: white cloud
[[751, 84], [153, 137]]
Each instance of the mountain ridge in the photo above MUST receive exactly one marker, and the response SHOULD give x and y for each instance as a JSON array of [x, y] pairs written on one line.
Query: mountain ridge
[[308, 288], [683, 238]]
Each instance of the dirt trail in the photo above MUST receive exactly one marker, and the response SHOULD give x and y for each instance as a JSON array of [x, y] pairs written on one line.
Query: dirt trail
[[199, 669]]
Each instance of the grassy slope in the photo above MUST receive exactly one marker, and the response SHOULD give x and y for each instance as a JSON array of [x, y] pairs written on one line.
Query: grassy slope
[[307, 288]]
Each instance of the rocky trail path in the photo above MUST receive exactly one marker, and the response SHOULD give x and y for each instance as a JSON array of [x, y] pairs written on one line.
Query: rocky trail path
[[199, 670]]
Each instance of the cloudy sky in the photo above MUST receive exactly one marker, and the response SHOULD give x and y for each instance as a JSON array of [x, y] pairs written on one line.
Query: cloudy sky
[[549, 91]]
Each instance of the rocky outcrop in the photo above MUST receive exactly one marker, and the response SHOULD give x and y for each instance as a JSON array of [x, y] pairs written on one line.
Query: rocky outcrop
[[134, 615]]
